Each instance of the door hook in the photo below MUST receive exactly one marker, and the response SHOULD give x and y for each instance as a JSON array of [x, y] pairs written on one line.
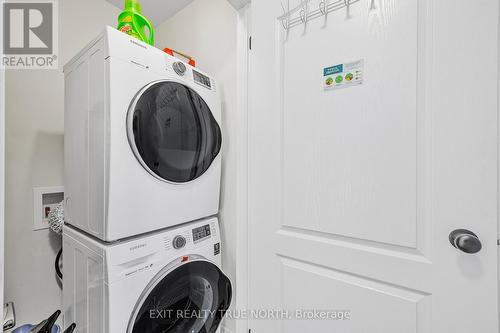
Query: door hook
[[323, 7], [304, 13], [285, 22], [348, 6], [303, 17]]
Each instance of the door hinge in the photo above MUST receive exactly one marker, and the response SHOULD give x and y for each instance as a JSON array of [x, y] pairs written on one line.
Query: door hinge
[[250, 47], [498, 241]]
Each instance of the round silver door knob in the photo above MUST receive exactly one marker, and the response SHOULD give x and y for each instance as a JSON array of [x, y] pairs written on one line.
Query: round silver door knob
[[466, 241]]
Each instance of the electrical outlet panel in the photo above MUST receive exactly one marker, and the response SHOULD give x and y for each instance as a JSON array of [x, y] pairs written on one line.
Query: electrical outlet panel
[[45, 199]]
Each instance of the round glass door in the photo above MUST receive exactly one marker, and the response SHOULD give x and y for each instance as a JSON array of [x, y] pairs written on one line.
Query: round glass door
[[192, 298], [172, 132]]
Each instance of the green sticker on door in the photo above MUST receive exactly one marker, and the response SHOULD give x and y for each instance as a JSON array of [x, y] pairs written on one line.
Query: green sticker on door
[[343, 75]]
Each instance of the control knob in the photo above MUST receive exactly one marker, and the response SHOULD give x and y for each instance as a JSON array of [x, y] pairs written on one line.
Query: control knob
[[179, 68], [179, 242]]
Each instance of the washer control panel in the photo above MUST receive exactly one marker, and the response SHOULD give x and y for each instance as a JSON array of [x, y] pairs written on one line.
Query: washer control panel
[[179, 242], [201, 233]]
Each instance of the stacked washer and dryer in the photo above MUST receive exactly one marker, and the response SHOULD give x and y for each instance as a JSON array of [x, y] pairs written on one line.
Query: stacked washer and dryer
[[142, 245]]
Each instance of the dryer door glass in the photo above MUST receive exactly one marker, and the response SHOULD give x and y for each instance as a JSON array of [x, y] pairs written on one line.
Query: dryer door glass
[[192, 298], [173, 132]]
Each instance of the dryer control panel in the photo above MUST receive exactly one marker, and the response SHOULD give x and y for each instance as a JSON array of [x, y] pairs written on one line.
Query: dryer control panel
[[202, 79], [189, 73]]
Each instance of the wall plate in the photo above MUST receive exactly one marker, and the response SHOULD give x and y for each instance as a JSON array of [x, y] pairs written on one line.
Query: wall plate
[[44, 201]]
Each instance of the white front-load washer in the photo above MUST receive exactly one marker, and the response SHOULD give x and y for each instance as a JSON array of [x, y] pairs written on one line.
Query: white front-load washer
[[142, 139], [166, 282]]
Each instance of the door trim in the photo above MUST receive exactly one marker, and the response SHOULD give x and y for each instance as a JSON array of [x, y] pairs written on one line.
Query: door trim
[[2, 161], [498, 168], [242, 102]]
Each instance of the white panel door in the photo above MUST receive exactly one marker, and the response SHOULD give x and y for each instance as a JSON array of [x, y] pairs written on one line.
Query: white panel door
[[353, 193]]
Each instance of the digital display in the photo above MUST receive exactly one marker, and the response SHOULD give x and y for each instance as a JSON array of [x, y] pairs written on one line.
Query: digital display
[[201, 233], [202, 79]]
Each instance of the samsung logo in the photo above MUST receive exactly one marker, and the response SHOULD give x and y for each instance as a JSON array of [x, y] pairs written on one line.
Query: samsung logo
[[135, 43], [137, 247]]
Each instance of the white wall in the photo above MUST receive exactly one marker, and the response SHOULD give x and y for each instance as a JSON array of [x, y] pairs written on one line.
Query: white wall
[[34, 157], [207, 31]]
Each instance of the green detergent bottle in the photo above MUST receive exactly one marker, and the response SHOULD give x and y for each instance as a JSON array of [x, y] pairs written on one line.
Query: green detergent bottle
[[132, 22]]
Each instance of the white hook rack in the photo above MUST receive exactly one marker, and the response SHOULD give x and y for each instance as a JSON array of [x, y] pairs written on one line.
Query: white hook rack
[[301, 13]]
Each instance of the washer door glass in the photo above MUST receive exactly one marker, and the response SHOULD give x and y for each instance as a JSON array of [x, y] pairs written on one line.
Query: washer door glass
[[173, 132], [193, 298]]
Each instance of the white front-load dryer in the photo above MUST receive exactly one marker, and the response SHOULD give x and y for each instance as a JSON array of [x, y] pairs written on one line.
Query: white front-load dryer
[[142, 139], [167, 282]]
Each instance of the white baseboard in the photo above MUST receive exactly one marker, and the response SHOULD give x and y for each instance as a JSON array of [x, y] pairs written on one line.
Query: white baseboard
[[224, 329]]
